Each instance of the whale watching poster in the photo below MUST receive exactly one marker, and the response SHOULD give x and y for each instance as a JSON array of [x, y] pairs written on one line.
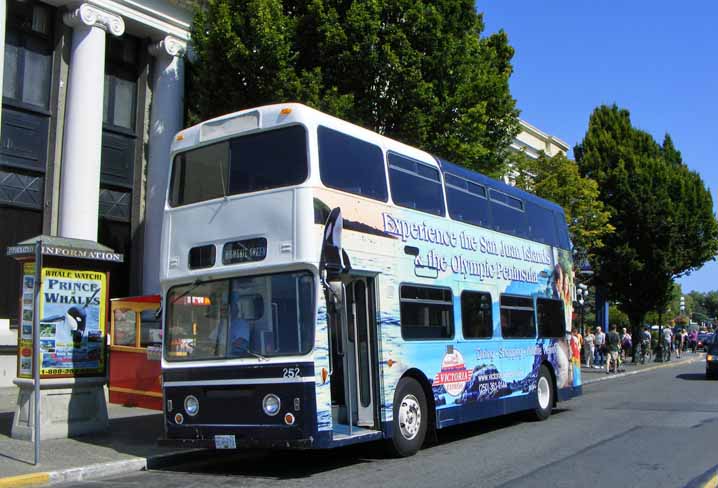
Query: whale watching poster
[[72, 315]]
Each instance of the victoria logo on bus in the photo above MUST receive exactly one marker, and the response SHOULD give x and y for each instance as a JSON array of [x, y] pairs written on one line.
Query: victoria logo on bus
[[244, 251], [453, 375]]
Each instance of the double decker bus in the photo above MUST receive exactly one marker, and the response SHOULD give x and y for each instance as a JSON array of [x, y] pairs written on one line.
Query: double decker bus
[[325, 285]]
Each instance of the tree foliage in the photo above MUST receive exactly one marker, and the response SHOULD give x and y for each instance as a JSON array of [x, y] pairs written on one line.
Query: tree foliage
[[662, 212], [416, 71], [558, 179]]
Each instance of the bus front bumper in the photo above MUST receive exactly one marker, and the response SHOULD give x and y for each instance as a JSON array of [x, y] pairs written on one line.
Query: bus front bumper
[[237, 437], [240, 443]]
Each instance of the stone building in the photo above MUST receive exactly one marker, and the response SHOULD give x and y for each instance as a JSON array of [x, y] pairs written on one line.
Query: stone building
[[92, 96]]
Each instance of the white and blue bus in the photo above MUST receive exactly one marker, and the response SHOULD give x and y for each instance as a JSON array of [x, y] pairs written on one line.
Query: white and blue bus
[[325, 285]]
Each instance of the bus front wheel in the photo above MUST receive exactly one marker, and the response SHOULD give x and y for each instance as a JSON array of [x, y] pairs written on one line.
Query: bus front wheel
[[544, 394], [410, 418]]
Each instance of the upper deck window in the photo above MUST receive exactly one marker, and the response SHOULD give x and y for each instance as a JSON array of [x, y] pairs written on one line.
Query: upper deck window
[[507, 214], [415, 185], [467, 201], [350, 164], [245, 164]]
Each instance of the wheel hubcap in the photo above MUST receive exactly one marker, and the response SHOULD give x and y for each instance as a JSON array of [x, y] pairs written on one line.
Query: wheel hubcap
[[544, 392], [409, 417]]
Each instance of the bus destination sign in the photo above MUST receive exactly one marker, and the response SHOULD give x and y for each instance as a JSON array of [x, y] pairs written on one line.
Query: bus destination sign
[[244, 251]]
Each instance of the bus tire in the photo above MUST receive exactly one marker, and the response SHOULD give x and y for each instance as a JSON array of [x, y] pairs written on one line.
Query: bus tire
[[411, 418], [544, 394]]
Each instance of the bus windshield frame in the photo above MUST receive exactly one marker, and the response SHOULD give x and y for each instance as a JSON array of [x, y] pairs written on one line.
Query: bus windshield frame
[[259, 309]]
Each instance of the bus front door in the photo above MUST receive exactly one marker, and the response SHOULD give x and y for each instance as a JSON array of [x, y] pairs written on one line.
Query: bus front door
[[359, 361]]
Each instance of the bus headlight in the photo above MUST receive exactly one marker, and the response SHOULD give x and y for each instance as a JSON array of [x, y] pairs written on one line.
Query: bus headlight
[[271, 404], [191, 405]]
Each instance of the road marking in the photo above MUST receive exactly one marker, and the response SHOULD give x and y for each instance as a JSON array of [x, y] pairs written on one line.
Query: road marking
[[25, 480]]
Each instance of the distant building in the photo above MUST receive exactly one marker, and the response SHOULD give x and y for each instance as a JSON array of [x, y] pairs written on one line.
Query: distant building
[[531, 141]]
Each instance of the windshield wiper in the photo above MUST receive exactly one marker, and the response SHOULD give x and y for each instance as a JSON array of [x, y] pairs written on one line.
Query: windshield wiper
[[256, 355], [193, 286]]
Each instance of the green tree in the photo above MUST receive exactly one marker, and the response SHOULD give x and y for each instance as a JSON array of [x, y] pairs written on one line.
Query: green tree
[[416, 71], [558, 179], [661, 211]]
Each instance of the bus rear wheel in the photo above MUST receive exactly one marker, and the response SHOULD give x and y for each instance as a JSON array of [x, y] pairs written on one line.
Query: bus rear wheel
[[410, 418], [544, 394]]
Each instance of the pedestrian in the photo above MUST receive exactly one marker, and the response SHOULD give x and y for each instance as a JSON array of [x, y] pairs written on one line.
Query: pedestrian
[[667, 342], [679, 343], [693, 340], [626, 344], [613, 345], [600, 347], [684, 340], [589, 344]]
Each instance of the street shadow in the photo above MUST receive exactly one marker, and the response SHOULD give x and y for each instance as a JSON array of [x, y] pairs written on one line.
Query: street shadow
[[280, 465], [6, 423], [692, 377], [266, 464], [135, 436]]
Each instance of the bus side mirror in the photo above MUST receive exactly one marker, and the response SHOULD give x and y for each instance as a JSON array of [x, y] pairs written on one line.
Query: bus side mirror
[[334, 259]]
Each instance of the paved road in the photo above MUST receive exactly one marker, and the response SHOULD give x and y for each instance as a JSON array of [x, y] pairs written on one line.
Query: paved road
[[655, 429]]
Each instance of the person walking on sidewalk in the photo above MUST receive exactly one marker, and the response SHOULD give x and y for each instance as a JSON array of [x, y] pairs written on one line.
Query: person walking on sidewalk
[[613, 345], [626, 344], [667, 343], [589, 344], [600, 347]]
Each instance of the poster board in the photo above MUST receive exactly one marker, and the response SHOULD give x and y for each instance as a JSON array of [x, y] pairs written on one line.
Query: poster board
[[72, 323]]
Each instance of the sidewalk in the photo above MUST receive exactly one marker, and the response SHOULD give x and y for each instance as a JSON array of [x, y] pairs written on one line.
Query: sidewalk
[[591, 375], [129, 445]]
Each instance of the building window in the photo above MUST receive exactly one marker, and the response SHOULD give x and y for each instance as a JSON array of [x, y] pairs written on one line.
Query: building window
[[517, 317], [426, 312], [27, 71], [476, 321], [120, 102]]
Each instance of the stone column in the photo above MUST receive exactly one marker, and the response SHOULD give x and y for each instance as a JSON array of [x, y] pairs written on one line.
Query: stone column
[[82, 142], [165, 121], [3, 15]]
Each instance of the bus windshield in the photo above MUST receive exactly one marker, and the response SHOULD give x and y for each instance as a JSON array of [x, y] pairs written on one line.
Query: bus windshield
[[244, 164], [271, 315]]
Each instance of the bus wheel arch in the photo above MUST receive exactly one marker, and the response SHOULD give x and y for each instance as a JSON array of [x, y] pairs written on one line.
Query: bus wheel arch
[[553, 381], [412, 395]]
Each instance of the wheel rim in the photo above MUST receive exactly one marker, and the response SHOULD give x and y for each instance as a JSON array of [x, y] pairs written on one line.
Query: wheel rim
[[544, 392], [409, 417]]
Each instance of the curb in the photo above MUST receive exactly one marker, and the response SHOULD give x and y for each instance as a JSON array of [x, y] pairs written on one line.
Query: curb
[[104, 470], [643, 370], [709, 479]]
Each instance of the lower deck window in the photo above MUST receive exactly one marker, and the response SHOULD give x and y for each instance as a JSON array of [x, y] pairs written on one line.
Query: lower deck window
[[517, 317], [426, 313], [551, 318], [476, 319]]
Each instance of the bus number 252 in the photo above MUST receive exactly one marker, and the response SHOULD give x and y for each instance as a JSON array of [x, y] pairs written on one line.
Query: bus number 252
[[291, 373]]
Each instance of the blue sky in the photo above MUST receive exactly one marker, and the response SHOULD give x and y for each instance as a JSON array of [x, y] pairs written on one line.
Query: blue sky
[[658, 59]]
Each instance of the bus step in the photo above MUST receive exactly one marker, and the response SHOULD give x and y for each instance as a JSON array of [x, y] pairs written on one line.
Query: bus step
[[341, 431]]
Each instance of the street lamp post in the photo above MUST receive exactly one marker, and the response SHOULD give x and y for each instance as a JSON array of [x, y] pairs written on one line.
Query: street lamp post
[[581, 297]]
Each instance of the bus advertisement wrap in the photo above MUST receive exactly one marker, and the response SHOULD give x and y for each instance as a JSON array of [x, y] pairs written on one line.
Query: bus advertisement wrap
[[468, 371]]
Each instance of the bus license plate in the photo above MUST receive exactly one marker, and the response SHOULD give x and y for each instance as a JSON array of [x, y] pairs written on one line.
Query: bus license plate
[[225, 442]]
